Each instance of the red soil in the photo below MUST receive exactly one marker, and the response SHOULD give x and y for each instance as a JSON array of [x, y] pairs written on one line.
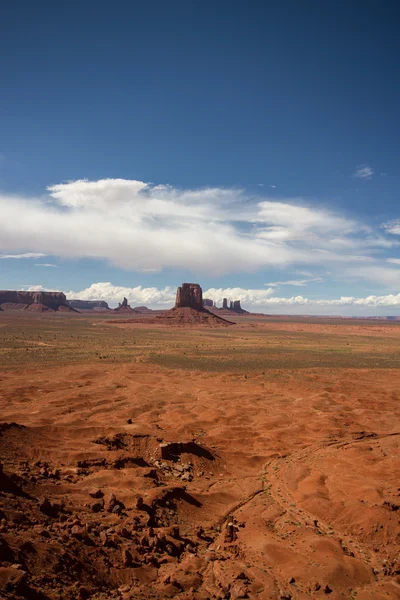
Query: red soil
[[136, 481]]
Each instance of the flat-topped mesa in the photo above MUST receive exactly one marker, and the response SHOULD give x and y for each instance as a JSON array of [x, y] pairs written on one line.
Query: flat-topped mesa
[[225, 303], [208, 302], [14, 300], [88, 304], [190, 295]]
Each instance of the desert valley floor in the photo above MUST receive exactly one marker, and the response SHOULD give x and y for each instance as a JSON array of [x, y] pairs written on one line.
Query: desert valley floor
[[144, 461]]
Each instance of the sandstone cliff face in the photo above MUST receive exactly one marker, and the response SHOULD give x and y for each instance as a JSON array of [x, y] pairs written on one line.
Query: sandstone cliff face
[[88, 304], [189, 295], [15, 300]]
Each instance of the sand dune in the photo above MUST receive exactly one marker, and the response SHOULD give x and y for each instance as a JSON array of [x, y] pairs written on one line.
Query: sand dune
[[134, 480]]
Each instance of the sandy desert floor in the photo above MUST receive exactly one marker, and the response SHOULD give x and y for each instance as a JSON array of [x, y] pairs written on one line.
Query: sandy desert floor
[[256, 461]]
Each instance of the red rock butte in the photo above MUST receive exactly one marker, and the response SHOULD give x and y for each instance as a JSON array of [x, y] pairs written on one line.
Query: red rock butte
[[124, 307], [33, 301], [189, 309], [190, 295]]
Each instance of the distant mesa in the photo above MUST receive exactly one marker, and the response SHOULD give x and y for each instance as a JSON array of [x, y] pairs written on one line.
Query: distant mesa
[[143, 310], [208, 302], [234, 307], [34, 301], [92, 305], [189, 309]]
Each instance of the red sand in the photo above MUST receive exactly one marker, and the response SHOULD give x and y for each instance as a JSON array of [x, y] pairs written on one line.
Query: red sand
[[280, 485]]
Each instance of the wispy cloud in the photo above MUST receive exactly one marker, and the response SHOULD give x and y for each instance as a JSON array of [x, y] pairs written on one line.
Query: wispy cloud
[[392, 227], [363, 172], [296, 282], [25, 255], [46, 265], [146, 228]]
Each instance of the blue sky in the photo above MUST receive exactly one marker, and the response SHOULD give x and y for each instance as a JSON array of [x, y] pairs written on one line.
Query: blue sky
[[253, 147]]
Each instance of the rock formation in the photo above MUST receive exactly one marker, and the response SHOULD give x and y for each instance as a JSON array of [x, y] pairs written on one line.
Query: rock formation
[[233, 307], [236, 306], [208, 302], [124, 304], [124, 307], [190, 295], [142, 309], [88, 304], [33, 301], [189, 309]]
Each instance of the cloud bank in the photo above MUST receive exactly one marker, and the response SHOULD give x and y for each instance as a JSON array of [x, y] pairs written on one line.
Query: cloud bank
[[256, 300], [143, 227]]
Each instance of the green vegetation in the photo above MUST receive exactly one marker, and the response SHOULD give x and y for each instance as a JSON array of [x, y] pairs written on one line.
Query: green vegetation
[[57, 340]]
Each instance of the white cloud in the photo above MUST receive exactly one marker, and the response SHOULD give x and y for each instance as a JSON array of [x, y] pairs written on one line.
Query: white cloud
[[25, 255], [296, 282], [45, 265], [363, 172], [257, 300], [147, 228], [392, 227], [151, 296], [395, 261]]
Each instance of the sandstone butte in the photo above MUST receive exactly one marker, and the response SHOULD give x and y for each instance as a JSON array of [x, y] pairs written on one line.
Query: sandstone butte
[[189, 309], [33, 301]]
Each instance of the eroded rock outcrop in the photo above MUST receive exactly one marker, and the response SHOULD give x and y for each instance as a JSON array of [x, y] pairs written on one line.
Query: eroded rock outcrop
[[88, 304], [236, 306], [124, 307], [189, 309], [208, 302], [190, 295], [33, 301], [232, 307]]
